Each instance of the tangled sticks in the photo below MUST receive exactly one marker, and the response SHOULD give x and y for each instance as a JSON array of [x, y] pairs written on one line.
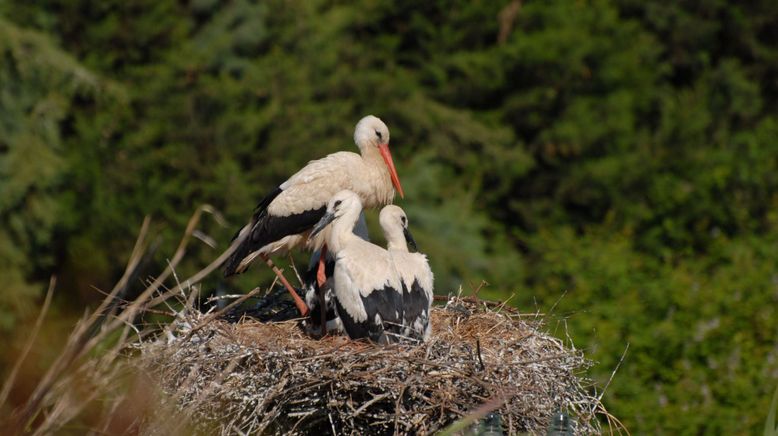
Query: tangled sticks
[[272, 378]]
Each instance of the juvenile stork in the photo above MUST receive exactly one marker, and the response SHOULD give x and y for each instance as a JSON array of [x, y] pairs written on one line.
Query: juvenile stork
[[367, 290], [314, 288], [414, 271], [284, 218]]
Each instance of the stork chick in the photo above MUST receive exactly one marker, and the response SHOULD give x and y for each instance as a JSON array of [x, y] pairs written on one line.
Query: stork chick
[[323, 322], [414, 271], [367, 290]]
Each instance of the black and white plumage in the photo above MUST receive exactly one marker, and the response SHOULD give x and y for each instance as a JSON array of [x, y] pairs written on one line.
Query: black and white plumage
[[414, 271], [311, 286], [283, 219], [367, 289]]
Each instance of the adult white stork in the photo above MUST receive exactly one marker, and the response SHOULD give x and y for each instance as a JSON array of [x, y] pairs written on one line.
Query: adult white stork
[[413, 269], [367, 289], [283, 219]]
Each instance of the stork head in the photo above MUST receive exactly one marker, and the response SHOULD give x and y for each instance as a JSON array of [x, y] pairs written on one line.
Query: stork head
[[372, 133], [343, 203], [394, 222]]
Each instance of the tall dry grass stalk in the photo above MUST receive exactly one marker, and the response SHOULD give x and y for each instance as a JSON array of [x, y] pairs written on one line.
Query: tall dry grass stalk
[[80, 374]]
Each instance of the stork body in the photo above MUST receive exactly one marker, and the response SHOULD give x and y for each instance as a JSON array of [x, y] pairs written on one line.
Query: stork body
[[312, 287], [283, 219], [414, 271], [367, 290]]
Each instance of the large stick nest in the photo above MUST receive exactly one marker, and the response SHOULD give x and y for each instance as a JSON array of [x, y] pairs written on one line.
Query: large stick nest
[[273, 378]]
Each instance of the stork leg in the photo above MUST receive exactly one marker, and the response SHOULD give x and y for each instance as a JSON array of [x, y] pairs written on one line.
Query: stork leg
[[321, 279], [321, 274], [301, 306]]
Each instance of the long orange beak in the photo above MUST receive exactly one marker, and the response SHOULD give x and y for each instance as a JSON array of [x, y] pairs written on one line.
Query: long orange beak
[[384, 150]]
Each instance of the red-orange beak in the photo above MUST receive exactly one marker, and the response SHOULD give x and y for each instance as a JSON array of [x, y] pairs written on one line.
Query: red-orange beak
[[384, 150]]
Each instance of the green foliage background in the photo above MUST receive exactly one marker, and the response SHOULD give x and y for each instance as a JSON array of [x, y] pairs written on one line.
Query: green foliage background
[[622, 155]]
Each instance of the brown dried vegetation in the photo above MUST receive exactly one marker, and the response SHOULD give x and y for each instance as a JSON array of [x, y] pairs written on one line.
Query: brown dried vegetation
[[272, 378], [199, 373]]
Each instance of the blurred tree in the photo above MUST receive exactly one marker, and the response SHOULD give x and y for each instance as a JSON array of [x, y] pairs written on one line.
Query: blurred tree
[[40, 88]]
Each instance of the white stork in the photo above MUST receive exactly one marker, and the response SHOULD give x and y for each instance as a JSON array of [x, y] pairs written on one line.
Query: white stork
[[283, 219], [313, 286], [368, 291], [413, 269]]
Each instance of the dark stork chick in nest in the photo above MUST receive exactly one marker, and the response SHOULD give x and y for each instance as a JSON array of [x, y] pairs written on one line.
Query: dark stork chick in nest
[[367, 290]]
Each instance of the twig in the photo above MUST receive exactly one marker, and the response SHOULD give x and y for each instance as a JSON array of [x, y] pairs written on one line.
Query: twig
[[478, 289], [223, 297], [294, 268], [621, 359], [470, 299], [84, 338], [504, 303], [370, 403], [557, 301], [332, 425], [210, 317], [9, 382], [140, 303], [472, 417], [78, 339]]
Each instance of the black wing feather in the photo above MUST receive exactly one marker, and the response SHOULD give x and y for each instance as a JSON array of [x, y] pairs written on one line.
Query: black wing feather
[[415, 303], [386, 302], [311, 287], [266, 228]]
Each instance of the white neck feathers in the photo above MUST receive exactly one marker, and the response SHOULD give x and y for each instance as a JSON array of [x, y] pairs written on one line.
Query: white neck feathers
[[342, 231], [395, 241]]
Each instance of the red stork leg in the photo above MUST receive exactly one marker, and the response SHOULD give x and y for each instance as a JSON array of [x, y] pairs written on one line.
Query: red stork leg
[[321, 279], [301, 306], [321, 274]]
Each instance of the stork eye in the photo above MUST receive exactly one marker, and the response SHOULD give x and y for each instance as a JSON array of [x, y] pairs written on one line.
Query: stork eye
[[404, 220], [337, 203], [378, 134]]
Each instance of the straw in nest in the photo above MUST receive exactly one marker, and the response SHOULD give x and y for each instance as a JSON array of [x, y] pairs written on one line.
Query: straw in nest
[[253, 377]]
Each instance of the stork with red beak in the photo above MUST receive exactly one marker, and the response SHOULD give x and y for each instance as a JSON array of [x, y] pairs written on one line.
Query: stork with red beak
[[284, 218]]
